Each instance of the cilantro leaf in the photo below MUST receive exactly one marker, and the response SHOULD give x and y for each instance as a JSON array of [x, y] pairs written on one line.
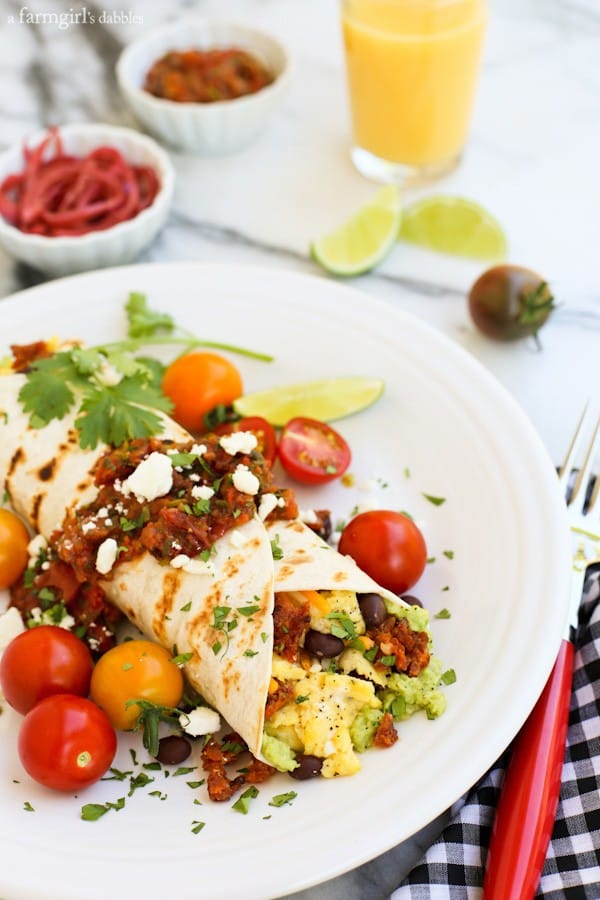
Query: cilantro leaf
[[118, 413], [47, 393], [144, 322]]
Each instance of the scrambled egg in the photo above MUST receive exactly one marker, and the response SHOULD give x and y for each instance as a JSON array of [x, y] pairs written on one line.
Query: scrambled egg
[[318, 722], [332, 602]]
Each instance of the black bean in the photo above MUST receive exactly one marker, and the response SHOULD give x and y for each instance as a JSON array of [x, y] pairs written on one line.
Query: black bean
[[373, 609], [308, 766], [412, 601], [173, 750], [323, 645]]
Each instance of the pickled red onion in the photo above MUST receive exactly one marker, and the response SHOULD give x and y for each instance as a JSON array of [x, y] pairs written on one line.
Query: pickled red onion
[[57, 194]]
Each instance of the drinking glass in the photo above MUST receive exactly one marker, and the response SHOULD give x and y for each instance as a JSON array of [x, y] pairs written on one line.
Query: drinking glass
[[412, 68]]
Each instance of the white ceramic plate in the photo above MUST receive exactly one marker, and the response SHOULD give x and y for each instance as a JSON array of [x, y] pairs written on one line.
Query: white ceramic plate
[[462, 437]]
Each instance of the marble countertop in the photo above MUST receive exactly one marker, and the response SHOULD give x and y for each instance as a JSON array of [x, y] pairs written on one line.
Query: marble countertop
[[531, 158]]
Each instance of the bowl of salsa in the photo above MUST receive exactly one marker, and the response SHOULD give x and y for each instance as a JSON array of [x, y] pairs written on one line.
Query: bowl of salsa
[[204, 86]]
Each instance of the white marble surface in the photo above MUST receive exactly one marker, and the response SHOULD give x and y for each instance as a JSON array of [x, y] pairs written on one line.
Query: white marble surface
[[532, 160]]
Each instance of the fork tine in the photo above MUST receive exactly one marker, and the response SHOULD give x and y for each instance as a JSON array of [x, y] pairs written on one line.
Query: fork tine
[[569, 462], [585, 473]]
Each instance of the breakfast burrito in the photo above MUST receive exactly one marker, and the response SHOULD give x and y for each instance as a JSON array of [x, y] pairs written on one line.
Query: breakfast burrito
[[303, 654]]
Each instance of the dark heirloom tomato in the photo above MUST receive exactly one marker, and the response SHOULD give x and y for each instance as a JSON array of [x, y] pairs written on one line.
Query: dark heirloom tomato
[[386, 545], [312, 452], [43, 661], [510, 302], [66, 742], [264, 431]]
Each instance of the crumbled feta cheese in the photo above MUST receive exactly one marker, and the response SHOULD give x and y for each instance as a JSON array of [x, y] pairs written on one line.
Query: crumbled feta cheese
[[200, 721], [199, 449], [192, 566], [244, 480], [194, 476], [202, 492], [268, 502], [176, 545], [88, 526], [108, 523], [107, 375], [102, 512], [152, 478], [106, 556], [43, 617], [308, 516], [239, 442], [45, 565], [35, 547]]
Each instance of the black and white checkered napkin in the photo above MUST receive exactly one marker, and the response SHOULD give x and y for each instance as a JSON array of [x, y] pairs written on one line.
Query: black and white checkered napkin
[[453, 867]]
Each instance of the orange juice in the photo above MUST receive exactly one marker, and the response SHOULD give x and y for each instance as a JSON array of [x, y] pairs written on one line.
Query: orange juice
[[412, 68]]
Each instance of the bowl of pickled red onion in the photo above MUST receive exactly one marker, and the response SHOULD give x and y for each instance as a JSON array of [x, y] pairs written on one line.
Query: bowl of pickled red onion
[[83, 197]]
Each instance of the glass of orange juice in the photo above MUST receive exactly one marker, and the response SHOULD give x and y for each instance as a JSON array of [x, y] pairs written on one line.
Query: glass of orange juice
[[412, 67]]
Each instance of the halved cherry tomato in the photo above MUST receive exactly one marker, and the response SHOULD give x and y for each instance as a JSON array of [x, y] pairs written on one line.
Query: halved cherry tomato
[[264, 431], [66, 742], [312, 452], [196, 383], [43, 661], [13, 548], [135, 669], [386, 545]]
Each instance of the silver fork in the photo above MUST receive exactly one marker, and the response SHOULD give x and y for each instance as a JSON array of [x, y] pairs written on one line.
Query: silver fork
[[527, 806]]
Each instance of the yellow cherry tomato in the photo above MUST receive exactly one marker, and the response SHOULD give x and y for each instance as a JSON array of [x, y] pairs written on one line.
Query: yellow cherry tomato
[[196, 383], [14, 539], [135, 669]]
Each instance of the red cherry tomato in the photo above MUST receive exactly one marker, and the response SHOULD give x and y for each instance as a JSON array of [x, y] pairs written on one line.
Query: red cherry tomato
[[66, 742], [387, 546], [43, 661], [264, 431], [312, 452]]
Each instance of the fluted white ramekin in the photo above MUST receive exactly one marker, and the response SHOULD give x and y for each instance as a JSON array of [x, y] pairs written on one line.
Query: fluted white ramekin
[[211, 128], [114, 246]]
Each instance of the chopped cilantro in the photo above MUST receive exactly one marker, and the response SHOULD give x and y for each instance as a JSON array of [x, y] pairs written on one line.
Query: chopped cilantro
[[28, 807], [184, 770], [248, 610], [195, 784], [342, 625], [187, 607], [448, 677], [442, 614], [282, 799], [449, 554], [197, 827], [116, 775], [138, 781], [276, 549], [242, 804], [301, 699], [250, 652], [181, 659], [437, 501]]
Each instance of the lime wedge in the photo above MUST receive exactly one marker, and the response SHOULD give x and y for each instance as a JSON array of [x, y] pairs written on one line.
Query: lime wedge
[[454, 225], [327, 399], [364, 239]]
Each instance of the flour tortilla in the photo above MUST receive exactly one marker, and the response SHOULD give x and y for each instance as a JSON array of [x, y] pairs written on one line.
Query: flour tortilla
[[46, 473]]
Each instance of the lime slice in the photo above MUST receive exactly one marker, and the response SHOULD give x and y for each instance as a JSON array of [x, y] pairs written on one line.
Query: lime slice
[[327, 399], [454, 225], [363, 240]]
